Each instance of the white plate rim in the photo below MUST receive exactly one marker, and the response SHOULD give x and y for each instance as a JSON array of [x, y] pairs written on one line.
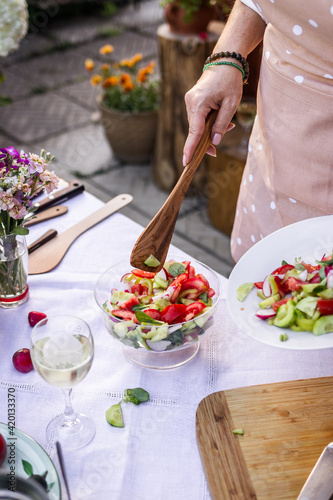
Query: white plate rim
[[308, 239], [21, 435]]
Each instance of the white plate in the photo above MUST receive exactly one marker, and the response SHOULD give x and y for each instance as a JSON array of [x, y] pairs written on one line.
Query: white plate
[[28, 449], [308, 239]]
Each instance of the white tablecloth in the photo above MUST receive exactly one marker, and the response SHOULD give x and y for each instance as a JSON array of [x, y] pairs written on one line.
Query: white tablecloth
[[155, 456]]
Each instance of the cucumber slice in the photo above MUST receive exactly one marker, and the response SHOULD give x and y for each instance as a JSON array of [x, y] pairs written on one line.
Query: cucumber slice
[[323, 325], [114, 416], [118, 297], [243, 291], [160, 282], [308, 305], [161, 334], [120, 329], [303, 323], [151, 261], [268, 302], [286, 315], [326, 294]]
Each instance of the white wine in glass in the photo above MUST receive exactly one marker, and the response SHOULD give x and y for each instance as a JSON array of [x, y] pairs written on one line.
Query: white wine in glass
[[62, 351]]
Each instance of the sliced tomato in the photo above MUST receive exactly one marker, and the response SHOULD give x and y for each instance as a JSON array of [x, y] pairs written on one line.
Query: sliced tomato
[[153, 313], [143, 274], [186, 263], [276, 305], [128, 304], [138, 289], [182, 277], [203, 279], [210, 292], [175, 292], [293, 284], [191, 272], [170, 313], [259, 284], [315, 279], [197, 283], [311, 268], [325, 306], [191, 311], [283, 269], [123, 314]]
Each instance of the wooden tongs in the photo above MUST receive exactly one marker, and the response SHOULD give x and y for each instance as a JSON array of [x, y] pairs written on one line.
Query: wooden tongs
[[156, 238]]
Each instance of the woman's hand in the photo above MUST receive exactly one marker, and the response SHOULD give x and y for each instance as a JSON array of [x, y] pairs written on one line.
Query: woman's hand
[[220, 87]]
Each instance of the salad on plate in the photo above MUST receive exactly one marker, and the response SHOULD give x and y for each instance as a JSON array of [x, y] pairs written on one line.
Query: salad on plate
[[298, 296]]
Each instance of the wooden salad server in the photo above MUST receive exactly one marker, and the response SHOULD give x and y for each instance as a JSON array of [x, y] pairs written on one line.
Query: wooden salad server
[[156, 238], [47, 257], [49, 213]]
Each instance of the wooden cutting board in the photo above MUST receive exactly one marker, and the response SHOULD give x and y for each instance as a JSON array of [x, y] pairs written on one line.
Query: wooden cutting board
[[286, 427]]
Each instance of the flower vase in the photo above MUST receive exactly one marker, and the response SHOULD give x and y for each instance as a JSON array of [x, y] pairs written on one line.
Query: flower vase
[[14, 289]]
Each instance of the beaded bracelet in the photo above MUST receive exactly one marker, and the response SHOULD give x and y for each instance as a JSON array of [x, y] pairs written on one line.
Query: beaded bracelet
[[233, 55], [220, 63]]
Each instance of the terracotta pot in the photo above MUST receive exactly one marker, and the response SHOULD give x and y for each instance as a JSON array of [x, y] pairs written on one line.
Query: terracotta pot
[[174, 15], [130, 135]]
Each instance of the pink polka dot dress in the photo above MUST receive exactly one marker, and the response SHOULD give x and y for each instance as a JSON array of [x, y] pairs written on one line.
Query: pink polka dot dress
[[288, 175]]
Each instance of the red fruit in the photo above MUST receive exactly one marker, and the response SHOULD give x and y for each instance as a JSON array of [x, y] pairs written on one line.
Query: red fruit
[[22, 361], [3, 449], [35, 317]]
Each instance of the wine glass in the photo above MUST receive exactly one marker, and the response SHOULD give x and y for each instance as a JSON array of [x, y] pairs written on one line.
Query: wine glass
[[246, 113], [62, 350]]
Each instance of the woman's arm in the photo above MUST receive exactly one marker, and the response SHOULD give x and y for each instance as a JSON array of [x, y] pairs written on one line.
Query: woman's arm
[[221, 87]]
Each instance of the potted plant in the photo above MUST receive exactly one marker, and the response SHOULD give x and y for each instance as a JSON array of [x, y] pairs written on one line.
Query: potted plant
[[128, 103], [193, 16]]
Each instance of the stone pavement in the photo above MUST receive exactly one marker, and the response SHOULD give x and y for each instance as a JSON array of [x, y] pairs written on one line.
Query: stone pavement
[[55, 108]]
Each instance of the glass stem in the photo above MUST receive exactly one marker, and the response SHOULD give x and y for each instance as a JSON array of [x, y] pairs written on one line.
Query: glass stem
[[69, 413]]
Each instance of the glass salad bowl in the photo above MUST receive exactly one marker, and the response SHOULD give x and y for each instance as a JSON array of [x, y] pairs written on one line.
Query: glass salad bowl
[[159, 317]]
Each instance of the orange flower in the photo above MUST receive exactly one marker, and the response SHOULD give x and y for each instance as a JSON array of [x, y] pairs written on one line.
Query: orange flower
[[150, 68], [89, 64], [124, 62], [142, 75], [136, 58], [105, 67], [128, 86], [124, 79], [95, 80], [106, 49], [110, 82]]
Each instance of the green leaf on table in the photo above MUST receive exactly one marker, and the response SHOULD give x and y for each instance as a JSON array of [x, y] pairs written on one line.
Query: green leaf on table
[[136, 396], [28, 469], [114, 414], [20, 230]]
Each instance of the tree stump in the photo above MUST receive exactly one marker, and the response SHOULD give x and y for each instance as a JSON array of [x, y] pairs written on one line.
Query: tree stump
[[181, 59]]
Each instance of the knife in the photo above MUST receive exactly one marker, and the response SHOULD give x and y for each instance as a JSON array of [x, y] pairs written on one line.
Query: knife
[[51, 233], [47, 214], [74, 188], [319, 485]]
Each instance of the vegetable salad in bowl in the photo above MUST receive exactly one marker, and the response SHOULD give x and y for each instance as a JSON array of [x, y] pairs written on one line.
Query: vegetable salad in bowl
[[158, 312], [296, 296]]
